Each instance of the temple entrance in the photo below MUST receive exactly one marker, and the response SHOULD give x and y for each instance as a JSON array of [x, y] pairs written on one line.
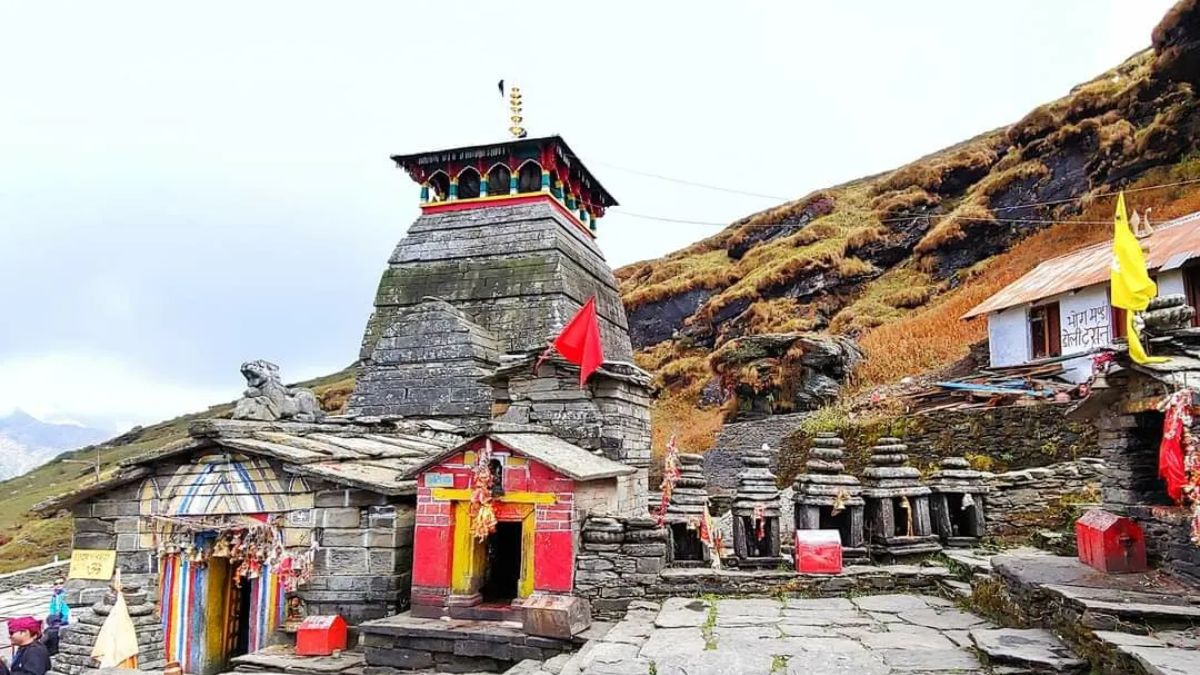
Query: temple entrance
[[502, 564], [839, 522], [685, 543], [900, 518], [239, 623], [963, 522], [757, 547], [1141, 459]]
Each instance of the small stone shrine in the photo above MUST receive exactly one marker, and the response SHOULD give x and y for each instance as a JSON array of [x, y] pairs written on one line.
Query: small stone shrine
[[897, 505], [827, 498], [685, 514], [76, 640], [956, 505], [756, 512]]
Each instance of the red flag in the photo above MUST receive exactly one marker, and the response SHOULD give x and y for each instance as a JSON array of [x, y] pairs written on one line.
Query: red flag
[[579, 342]]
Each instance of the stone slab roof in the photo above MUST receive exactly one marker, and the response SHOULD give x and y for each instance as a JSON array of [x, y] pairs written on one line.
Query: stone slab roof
[[566, 458], [374, 457]]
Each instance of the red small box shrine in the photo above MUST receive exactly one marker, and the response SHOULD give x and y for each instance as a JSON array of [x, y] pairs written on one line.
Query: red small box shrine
[[818, 552], [321, 636], [1110, 543]]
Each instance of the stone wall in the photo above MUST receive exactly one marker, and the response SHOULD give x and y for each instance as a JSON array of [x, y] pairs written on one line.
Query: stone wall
[[723, 462], [1130, 433], [31, 576], [994, 439], [618, 560], [1040, 498], [363, 568]]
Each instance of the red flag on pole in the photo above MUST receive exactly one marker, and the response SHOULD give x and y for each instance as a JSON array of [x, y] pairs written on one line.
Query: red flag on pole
[[579, 342]]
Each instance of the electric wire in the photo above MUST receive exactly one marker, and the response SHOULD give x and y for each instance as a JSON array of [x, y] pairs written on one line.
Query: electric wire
[[940, 217]]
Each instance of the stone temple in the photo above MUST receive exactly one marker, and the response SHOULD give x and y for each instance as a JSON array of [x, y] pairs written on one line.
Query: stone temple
[[503, 254]]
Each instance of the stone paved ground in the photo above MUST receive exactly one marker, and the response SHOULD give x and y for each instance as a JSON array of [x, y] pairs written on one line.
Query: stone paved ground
[[868, 635]]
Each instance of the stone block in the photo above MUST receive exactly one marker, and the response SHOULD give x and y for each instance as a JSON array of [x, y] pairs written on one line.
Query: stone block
[[127, 542], [381, 561], [95, 541], [341, 517], [342, 561], [396, 657]]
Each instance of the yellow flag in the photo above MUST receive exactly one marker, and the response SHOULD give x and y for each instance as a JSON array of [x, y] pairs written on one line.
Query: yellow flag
[[1131, 285]]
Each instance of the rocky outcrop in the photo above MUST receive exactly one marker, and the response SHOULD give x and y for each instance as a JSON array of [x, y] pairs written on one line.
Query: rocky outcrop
[[785, 371], [1177, 43]]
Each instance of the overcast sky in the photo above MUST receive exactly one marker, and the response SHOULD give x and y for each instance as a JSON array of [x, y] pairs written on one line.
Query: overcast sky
[[186, 188]]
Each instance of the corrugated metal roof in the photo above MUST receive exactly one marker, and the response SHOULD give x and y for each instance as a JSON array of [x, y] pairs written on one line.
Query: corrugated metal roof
[[564, 457], [1173, 242]]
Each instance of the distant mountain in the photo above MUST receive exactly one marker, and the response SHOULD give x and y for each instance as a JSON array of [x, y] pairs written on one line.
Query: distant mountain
[[27, 442]]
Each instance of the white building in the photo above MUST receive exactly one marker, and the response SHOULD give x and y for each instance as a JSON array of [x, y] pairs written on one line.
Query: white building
[[1061, 307]]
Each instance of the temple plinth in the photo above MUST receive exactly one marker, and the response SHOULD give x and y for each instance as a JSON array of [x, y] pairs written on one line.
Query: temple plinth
[[827, 498], [897, 505]]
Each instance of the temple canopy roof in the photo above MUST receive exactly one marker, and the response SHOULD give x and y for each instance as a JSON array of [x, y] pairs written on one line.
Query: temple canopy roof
[[376, 458]]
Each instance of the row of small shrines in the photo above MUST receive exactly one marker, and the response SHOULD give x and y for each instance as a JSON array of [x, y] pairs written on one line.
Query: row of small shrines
[[890, 514]]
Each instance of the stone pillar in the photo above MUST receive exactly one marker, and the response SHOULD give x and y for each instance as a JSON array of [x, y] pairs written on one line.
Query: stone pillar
[[897, 505], [828, 498], [956, 503], [685, 512], [756, 513]]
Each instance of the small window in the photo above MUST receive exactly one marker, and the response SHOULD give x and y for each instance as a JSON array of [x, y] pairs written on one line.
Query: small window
[[498, 180], [439, 187], [1044, 331], [468, 184], [530, 178]]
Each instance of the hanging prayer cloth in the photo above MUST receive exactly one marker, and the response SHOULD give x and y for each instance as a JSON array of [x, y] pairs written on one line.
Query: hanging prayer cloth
[[483, 516], [1176, 437], [671, 473]]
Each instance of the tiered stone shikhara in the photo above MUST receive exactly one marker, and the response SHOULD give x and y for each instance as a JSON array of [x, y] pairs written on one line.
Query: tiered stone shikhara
[[756, 513], [897, 505], [956, 506], [827, 498], [685, 513], [77, 639]]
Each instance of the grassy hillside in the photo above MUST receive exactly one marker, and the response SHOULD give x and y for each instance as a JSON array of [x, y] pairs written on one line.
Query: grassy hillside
[[29, 540], [895, 259]]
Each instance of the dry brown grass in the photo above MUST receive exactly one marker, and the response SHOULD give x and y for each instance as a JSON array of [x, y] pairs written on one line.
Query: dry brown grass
[[695, 428], [951, 228], [1039, 122], [861, 236], [929, 174], [679, 275], [855, 267], [997, 182], [782, 315], [884, 299], [892, 204]]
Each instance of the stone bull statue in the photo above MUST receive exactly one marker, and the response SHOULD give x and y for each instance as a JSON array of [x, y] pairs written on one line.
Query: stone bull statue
[[266, 398]]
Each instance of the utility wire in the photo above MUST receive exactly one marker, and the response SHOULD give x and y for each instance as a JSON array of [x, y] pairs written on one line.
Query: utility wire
[[684, 221], [695, 184]]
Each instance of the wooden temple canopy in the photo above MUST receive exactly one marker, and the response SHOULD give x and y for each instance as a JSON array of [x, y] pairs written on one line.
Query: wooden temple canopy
[[564, 171], [374, 458]]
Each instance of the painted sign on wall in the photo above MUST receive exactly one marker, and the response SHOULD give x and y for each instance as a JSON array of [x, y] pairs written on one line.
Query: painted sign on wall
[[1084, 328], [87, 564]]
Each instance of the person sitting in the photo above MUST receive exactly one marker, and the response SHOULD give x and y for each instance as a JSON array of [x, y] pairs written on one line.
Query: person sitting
[[32, 657], [58, 604]]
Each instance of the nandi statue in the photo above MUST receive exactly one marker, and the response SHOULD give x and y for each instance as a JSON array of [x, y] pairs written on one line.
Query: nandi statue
[[266, 398]]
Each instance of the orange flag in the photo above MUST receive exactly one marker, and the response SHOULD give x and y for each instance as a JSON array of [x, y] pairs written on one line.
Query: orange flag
[[579, 342]]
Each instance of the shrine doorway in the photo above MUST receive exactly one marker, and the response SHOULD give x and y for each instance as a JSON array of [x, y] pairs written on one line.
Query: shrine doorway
[[502, 563]]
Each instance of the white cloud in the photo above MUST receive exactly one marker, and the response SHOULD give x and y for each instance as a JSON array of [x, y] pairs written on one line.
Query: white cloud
[[98, 390]]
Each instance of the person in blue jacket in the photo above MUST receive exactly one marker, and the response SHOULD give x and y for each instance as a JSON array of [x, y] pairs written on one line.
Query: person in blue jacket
[[58, 604]]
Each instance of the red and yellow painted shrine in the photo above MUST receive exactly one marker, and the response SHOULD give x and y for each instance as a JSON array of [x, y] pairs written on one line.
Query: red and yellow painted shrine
[[539, 487]]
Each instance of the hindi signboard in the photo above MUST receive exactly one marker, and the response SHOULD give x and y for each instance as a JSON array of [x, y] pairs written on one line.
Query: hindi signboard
[[91, 564]]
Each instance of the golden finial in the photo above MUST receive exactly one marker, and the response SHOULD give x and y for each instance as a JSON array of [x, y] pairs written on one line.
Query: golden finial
[[514, 104]]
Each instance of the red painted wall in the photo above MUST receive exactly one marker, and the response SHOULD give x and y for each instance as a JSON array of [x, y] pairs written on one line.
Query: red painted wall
[[554, 545]]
